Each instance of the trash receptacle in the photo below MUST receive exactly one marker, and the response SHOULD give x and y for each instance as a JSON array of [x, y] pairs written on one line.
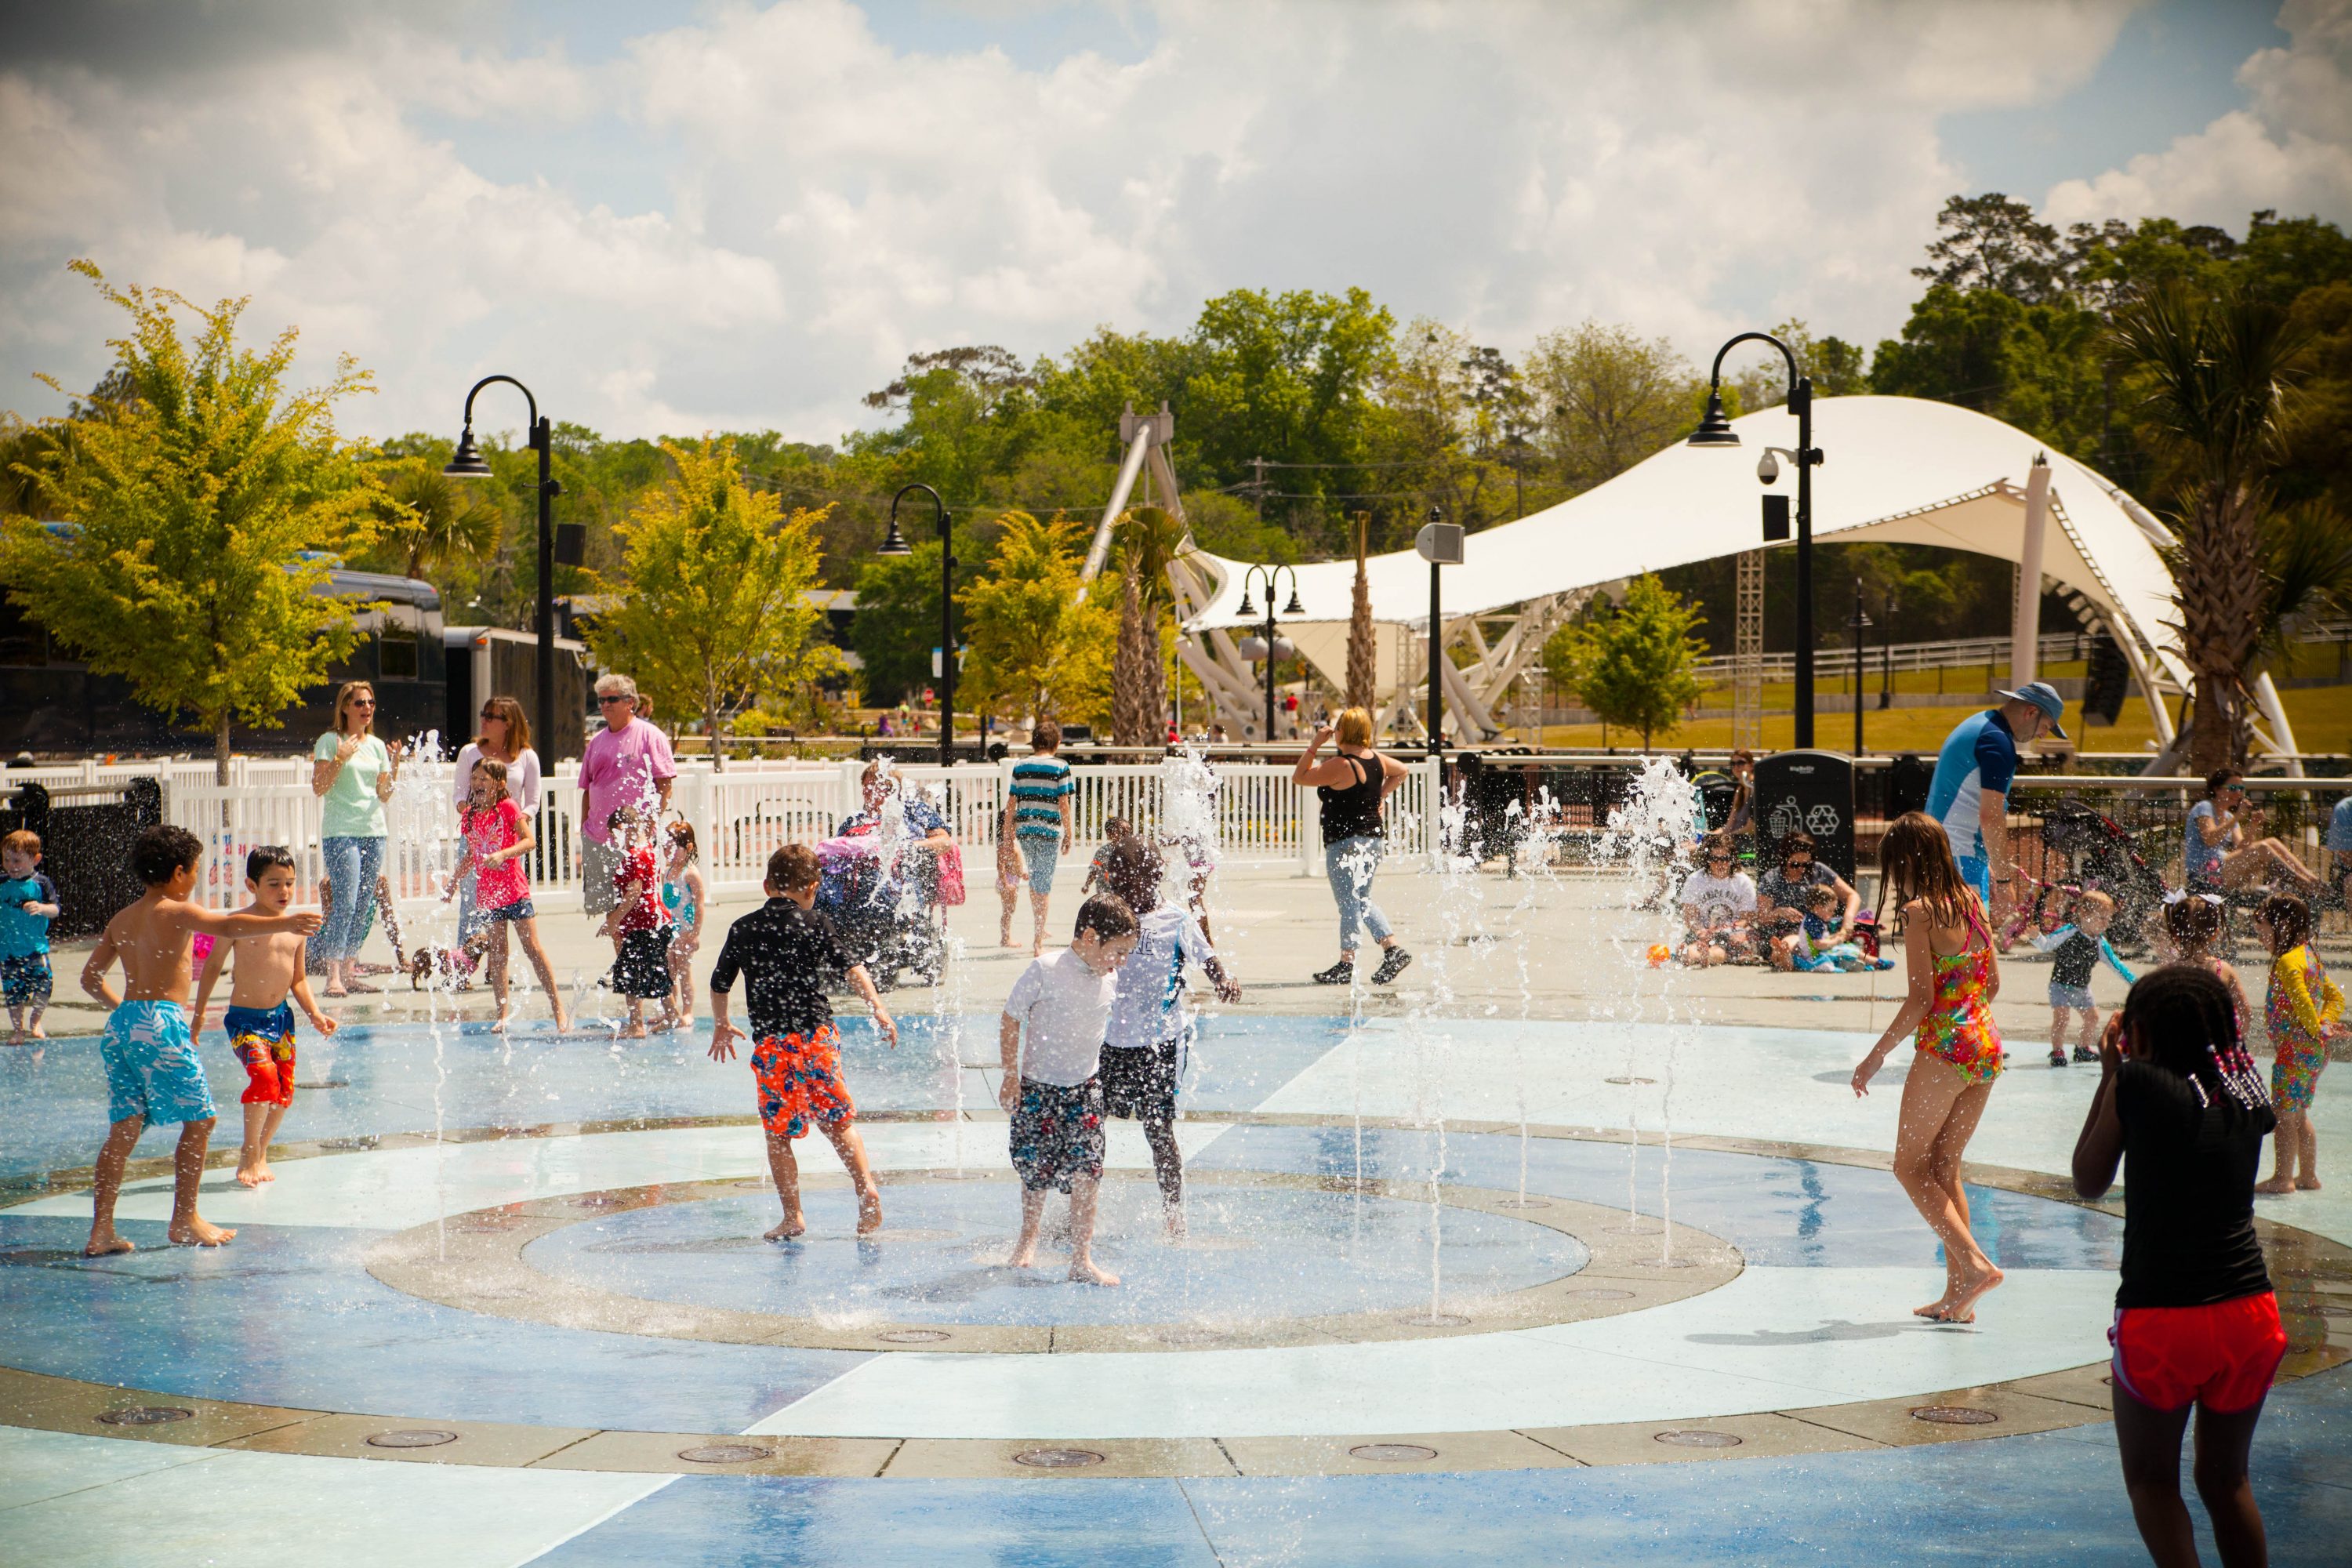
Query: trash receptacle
[[1808, 790]]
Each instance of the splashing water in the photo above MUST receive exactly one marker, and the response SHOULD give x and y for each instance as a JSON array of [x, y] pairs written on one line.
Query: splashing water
[[1650, 836]]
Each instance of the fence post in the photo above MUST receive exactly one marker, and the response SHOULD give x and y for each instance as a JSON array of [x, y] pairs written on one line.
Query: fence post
[[1310, 828], [1432, 804]]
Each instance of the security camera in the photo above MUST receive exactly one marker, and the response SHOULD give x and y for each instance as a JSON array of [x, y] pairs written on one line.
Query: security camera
[[1768, 467]]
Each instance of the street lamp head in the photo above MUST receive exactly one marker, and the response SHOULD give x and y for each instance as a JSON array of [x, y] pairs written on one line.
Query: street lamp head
[[468, 463], [1245, 608], [1294, 608], [1714, 428], [894, 543]]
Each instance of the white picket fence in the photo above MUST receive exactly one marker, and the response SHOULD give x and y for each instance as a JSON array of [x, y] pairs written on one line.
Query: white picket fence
[[742, 816]]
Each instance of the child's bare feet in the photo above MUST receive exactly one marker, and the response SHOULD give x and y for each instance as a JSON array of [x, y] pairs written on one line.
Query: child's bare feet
[[200, 1232], [1024, 1254], [1962, 1309], [869, 1212], [37, 1032], [500, 1022], [251, 1175], [634, 1032], [1087, 1271], [105, 1243], [1175, 1219], [563, 1023], [2276, 1187], [791, 1226], [2308, 1184]]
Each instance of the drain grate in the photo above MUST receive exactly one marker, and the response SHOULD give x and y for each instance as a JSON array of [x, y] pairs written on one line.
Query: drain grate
[[725, 1454], [1525, 1203], [1057, 1458], [1393, 1453], [1599, 1293], [146, 1415], [1629, 1080], [913, 1336], [598, 1201], [1953, 1415], [327, 1083], [1696, 1437], [412, 1438], [1436, 1321]]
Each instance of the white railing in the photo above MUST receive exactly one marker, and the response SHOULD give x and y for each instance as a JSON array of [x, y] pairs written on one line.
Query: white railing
[[744, 815]]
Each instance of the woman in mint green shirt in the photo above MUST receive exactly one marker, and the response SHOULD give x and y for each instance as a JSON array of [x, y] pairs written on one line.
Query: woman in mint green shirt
[[353, 772]]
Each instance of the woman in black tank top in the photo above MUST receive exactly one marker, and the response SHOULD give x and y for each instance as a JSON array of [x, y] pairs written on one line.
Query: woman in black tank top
[[1350, 785]]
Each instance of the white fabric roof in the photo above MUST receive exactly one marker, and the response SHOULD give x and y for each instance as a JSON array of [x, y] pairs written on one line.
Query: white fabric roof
[[1895, 469]]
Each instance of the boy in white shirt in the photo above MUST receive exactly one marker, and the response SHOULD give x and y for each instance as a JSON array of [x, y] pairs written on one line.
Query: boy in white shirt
[[1151, 1016], [1051, 1038], [1719, 907]]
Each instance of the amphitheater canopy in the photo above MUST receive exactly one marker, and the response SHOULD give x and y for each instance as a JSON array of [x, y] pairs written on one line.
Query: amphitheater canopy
[[1899, 469]]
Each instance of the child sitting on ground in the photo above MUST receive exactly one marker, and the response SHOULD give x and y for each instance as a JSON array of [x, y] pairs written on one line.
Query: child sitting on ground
[[1116, 831], [28, 902], [641, 970], [259, 1023], [683, 896], [152, 1070], [1810, 948], [1050, 1039], [2074, 951], [1150, 1029], [2305, 1011], [787, 952]]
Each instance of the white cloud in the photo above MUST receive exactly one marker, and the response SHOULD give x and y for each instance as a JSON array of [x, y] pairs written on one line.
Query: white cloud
[[751, 219], [2289, 149]]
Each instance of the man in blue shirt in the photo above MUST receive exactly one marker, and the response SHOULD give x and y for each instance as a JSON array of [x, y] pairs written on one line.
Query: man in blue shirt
[[1971, 792]]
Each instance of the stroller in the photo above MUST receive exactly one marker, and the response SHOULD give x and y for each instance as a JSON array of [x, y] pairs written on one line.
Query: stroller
[[2104, 858], [887, 924]]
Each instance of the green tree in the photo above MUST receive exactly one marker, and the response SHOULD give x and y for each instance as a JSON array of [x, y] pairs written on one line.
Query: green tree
[[713, 608], [1038, 646], [437, 520], [1635, 667], [204, 502], [898, 621], [1613, 399], [2216, 370], [1993, 242], [1146, 543]]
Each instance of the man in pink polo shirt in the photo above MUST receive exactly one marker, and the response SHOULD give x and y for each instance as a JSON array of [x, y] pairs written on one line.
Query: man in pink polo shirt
[[627, 763]]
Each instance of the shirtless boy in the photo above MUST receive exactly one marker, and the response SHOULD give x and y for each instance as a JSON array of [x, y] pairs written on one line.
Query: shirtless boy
[[153, 1072], [260, 1025]]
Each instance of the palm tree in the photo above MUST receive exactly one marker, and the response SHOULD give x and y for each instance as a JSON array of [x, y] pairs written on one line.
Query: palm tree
[[1148, 541], [2217, 370], [1363, 675], [439, 521]]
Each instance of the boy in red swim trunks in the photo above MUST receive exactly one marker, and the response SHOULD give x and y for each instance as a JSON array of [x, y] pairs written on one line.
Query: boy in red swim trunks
[[260, 1025], [786, 951]]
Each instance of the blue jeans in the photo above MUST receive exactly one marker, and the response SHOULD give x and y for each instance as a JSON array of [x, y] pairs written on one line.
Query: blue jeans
[[1350, 864], [350, 865]]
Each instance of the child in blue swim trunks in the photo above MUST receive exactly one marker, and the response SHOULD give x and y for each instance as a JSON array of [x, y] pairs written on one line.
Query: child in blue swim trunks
[[153, 1072], [259, 1022]]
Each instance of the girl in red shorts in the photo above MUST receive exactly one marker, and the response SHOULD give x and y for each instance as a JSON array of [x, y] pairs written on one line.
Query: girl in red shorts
[[2197, 1325]]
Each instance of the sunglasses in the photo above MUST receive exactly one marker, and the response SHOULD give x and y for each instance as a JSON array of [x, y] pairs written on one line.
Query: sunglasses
[[608, 702], [362, 702]]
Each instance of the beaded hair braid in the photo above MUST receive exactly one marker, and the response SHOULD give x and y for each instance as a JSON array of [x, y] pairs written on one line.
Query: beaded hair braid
[[2184, 1021]]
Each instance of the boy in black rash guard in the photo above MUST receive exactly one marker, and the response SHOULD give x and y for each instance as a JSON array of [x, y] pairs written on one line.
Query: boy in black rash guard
[[786, 951], [2182, 1103], [2074, 951]]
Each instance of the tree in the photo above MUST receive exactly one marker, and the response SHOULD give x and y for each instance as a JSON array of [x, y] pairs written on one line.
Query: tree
[[713, 596], [1145, 544], [2215, 369], [1636, 667], [204, 504], [1991, 242], [437, 521], [1363, 645], [1038, 648], [1614, 399]]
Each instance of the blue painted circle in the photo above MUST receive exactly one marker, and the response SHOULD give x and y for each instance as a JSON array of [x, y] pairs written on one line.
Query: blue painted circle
[[1254, 1256]]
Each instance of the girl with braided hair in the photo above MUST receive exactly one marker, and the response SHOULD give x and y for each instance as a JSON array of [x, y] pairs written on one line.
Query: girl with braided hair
[[2182, 1105]]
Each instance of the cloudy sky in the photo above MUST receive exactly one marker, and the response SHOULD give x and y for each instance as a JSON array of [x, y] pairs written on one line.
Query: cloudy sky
[[668, 218]]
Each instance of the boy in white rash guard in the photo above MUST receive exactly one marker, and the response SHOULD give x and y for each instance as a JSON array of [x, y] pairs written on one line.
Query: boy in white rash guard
[[1150, 1015], [1051, 1038]]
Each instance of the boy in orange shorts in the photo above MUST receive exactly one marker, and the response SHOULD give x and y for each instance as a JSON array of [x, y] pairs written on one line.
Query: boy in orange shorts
[[260, 1025], [786, 951]]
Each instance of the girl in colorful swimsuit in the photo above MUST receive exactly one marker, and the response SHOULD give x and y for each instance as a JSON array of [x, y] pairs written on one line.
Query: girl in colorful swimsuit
[[2305, 1011], [2180, 1105], [684, 896], [2193, 922], [1954, 978]]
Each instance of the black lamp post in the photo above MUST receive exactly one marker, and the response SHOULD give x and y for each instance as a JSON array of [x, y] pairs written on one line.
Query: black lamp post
[[1886, 656], [468, 464], [896, 544], [1268, 576], [1715, 430], [1861, 625]]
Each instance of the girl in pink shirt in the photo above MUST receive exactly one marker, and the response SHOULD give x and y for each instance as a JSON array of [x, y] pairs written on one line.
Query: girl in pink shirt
[[497, 837]]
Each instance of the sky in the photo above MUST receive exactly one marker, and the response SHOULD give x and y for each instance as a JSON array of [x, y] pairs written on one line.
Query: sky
[[668, 218]]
